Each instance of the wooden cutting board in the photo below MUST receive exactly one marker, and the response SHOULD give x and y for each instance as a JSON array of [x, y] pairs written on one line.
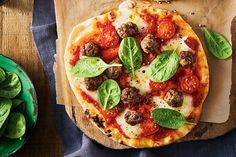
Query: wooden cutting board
[[71, 12]]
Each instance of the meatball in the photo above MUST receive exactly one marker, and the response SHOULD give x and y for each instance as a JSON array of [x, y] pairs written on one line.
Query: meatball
[[128, 29], [114, 72], [149, 44], [130, 95], [133, 117], [89, 49], [94, 82], [174, 98], [187, 58]]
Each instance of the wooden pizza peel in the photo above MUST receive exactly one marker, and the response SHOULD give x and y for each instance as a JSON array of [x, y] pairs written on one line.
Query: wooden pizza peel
[[71, 12]]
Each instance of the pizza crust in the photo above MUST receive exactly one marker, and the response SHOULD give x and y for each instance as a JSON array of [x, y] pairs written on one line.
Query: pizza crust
[[88, 27]]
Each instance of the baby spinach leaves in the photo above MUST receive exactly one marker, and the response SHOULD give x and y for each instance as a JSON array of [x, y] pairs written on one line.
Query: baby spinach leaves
[[169, 118], [11, 86], [2, 75], [5, 107], [130, 54], [12, 124], [217, 44], [90, 67], [164, 66], [109, 94], [16, 126]]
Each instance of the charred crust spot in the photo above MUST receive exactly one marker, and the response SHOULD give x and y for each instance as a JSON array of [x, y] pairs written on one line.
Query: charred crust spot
[[98, 121], [87, 113]]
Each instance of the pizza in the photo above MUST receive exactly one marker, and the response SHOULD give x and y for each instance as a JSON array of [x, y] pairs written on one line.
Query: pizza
[[139, 73]]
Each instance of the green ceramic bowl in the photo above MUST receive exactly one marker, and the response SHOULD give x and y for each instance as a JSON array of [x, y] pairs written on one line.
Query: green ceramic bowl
[[28, 94]]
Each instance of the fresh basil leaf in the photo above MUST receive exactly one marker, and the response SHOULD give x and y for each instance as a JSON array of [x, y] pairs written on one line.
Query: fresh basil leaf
[[164, 66], [5, 107], [109, 94], [2, 75], [11, 86], [130, 54], [16, 126], [169, 118], [217, 44], [90, 67]]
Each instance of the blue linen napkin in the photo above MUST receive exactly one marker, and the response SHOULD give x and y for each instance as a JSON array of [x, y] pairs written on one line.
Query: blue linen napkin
[[77, 144]]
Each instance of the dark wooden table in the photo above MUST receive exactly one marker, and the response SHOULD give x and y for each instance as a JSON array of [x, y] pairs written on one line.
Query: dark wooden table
[[17, 43]]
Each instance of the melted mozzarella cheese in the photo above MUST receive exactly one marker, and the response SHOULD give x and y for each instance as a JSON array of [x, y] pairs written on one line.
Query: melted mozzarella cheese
[[160, 103], [129, 130], [128, 15], [179, 42], [185, 109], [92, 94], [187, 106], [141, 80]]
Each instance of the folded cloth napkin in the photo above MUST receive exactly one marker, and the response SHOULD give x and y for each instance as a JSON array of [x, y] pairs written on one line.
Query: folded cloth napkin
[[74, 141]]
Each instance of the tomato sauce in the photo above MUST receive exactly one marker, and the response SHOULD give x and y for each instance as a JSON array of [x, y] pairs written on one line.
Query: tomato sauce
[[76, 55], [108, 115], [151, 27]]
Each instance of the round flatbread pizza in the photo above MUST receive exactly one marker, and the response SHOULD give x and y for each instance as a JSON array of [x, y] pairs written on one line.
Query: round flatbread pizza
[[140, 74]]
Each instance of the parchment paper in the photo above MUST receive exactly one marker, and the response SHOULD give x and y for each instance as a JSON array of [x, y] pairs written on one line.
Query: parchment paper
[[71, 12], [216, 15]]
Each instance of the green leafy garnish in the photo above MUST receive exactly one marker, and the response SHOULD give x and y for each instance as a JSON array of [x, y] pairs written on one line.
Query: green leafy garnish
[[169, 118], [16, 103], [3, 128], [11, 86], [109, 94], [5, 107], [164, 66], [2, 75], [130, 54], [16, 126], [217, 44], [90, 67]]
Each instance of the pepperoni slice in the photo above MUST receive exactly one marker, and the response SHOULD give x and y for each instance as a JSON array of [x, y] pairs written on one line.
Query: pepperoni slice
[[108, 36], [166, 29], [189, 83]]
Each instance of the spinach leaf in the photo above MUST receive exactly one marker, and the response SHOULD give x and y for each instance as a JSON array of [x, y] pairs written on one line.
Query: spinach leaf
[[11, 86], [90, 67], [217, 44], [16, 103], [130, 54], [2, 75], [4, 126], [5, 107], [16, 126], [164, 66], [169, 118], [109, 94]]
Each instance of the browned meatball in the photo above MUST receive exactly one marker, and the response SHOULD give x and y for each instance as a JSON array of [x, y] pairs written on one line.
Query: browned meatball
[[130, 95], [187, 58], [174, 98], [149, 44], [114, 72], [128, 29], [133, 117], [94, 82], [89, 49]]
